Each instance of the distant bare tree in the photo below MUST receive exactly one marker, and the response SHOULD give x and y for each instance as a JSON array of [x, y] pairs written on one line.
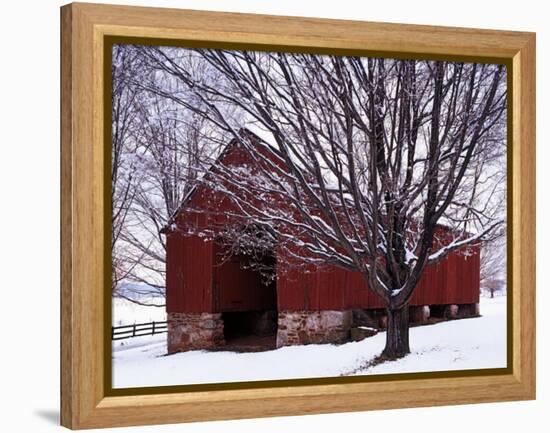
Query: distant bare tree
[[162, 148], [168, 150], [124, 111], [493, 266]]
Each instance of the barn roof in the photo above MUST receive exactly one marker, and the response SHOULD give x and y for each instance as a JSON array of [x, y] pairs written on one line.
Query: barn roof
[[223, 154], [231, 145]]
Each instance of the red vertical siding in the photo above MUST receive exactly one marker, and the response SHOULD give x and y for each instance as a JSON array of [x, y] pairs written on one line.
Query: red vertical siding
[[295, 289], [188, 274], [475, 267], [356, 293], [467, 276], [173, 272], [453, 280], [237, 288]]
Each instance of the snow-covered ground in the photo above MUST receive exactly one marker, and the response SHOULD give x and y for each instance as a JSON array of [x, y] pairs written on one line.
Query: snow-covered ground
[[456, 345]]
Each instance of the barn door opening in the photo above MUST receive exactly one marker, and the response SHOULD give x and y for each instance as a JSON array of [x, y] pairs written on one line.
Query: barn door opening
[[250, 331], [246, 295]]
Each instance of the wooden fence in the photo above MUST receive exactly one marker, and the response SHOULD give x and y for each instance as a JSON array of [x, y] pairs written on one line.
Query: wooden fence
[[137, 330]]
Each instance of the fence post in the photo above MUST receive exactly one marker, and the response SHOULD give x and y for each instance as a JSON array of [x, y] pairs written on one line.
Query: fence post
[[153, 328], [112, 333], [134, 330]]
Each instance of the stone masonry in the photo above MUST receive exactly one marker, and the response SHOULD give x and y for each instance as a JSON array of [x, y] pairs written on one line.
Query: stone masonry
[[454, 311], [419, 314], [468, 310], [313, 327], [264, 322], [192, 331]]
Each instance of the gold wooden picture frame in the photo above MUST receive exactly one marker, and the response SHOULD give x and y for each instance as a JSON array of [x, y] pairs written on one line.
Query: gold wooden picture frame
[[87, 398]]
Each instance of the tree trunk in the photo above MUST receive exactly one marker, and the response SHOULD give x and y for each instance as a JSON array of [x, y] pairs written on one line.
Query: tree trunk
[[397, 335]]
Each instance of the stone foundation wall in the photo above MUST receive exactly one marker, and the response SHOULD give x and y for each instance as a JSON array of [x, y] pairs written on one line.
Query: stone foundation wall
[[454, 311], [192, 331], [313, 327], [468, 310], [264, 323], [419, 314], [372, 318]]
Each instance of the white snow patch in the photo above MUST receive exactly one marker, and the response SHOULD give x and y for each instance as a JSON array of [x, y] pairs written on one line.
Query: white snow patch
[[367, 328], [456, 345]]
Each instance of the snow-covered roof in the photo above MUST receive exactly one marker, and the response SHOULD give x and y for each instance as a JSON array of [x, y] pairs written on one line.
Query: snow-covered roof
[[223, 154]]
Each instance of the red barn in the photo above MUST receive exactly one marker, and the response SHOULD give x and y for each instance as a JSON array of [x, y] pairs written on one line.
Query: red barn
[[213, 299]]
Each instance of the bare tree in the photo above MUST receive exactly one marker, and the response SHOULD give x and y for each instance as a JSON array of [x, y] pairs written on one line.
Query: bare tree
[[366, 157], [168, 148], [161, 148], [125, 100]]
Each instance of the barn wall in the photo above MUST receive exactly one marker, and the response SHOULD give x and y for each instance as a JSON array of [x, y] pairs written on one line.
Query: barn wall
[[190, 269], [188, 274], [237, 288], [199, 279], [454, 280], [194, 284]]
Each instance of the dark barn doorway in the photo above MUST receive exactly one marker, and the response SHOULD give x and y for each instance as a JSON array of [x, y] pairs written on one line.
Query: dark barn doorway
[[250, 331], [245, 292]]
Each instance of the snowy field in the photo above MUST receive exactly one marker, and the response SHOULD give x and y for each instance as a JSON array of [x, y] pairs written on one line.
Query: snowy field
[[127, 313], [455, 345]]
